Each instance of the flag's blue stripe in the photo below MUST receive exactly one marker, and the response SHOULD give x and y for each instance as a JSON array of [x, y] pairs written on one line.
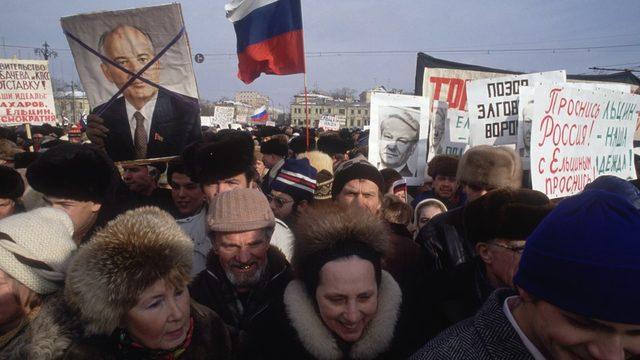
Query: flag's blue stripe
[[267, 22]]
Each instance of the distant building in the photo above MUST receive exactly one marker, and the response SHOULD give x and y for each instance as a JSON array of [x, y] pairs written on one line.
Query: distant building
[[252, 98], [71, 106], [356, 113]]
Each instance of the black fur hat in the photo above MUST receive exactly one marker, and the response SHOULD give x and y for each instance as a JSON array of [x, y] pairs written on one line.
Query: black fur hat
[[11, 184], [510, 214], [228, 154], [73, 171], [332, 144], [445, 165], [275, 146]]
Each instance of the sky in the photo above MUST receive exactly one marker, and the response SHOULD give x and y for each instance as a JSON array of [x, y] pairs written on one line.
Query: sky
[[568, 34]]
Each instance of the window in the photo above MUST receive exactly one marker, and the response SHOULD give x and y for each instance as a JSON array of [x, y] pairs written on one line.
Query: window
[[341, 111], [358, 111], [351, 111], [329, 111]]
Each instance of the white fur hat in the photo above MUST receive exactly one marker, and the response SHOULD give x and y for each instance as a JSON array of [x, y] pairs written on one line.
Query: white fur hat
[[35, 248]]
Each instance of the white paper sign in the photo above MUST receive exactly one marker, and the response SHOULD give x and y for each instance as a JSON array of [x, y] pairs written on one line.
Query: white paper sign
[[493, 106], [25, 93], [329, 122], [223, 116], [456, 132], [399, 129], [578, 135]]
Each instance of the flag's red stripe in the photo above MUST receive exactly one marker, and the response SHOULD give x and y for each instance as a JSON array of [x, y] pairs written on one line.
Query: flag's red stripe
[[280, 55]]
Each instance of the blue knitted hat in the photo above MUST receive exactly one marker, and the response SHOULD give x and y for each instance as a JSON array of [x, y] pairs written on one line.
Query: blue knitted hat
[[296, 178], [585, 258]]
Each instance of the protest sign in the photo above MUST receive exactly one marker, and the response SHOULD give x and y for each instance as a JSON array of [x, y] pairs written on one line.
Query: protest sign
[[399, 129], [223, 116], [270, 123], [206, 121], [26, 96], [329, 122], [437, 124], [456, 132], [131, 63], [578, 135], [493, 106]]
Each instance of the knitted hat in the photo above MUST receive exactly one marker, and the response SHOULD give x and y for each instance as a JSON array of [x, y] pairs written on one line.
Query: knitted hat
[[445, 165], [330, 232], [123, 259], [297, 178], [11, 184], [390, 176], [490, 167], [240, 210], [73, 171], [276, 147], [229, 154], [35, 248], [510, 214], [618, 186], [357, 168], [324, 181], [585, 258]]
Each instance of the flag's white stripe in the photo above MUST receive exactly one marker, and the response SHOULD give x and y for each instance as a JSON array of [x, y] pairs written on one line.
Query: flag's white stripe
[[238, 9]]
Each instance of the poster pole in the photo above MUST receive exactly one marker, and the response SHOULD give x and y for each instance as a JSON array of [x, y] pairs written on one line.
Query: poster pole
[[27, 128], [306, 109]]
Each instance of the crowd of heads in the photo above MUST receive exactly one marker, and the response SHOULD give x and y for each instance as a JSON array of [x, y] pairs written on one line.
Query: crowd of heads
[[280, 239]]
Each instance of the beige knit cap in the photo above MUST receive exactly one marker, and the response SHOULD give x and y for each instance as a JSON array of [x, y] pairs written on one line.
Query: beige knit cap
[[35, 248], [240, 210]]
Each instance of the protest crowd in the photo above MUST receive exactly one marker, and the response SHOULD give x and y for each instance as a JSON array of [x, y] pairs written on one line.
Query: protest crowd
[[499, 224]]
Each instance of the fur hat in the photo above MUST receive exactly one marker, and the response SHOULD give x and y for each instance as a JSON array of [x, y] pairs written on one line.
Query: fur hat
[[9, 149], [276, 147], [35, 248], [332, 145], [230, 153], [299, 144], [445, 165], [390, 176], [330, 232], [11, 183], [73, 171], [510, 214], [131, 253], [490, 167]]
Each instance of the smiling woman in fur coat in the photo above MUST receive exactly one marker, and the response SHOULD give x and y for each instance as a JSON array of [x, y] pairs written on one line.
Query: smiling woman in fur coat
[[342, 304]]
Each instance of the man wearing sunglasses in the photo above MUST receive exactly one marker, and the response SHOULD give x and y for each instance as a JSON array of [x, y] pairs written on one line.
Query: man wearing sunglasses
[[481, 169], [292, 190], [497, 225]]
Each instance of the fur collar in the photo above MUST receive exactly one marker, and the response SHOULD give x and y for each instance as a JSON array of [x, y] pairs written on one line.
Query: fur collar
[[317, 338], [46, 337]]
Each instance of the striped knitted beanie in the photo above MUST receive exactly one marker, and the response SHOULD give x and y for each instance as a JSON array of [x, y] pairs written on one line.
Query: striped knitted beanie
[[297, 178]]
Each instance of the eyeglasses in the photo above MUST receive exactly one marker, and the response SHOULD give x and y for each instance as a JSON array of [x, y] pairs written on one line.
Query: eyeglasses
[[515, 249], [280, 202]]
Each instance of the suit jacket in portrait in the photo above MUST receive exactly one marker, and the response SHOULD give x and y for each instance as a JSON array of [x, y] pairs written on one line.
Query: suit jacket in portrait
[[175, 124]]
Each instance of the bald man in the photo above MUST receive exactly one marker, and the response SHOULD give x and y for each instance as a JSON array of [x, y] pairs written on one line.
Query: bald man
[[145, 122]]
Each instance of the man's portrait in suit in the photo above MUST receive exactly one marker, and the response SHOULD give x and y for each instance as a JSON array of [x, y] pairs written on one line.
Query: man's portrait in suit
[[399, 134], [145, 122]]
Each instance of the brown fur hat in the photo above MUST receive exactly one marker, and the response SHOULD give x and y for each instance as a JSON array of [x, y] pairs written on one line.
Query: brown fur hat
[[131, 253], [329, 232], [490, 167], [445, 165]]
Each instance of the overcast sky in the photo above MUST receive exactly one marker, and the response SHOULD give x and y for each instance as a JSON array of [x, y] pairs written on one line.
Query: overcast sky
[[371, 25]]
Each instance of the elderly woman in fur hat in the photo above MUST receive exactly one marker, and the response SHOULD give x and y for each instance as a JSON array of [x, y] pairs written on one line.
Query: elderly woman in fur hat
[[342, 304], [128, 287], [35, 248]]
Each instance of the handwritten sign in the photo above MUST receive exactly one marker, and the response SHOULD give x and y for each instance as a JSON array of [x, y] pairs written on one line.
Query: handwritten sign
[[26, 95]]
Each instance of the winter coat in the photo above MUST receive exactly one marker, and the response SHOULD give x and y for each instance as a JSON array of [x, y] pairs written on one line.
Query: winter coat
[[294, 330], [212, 289], [210, 340], [488, 335], [443, 241]]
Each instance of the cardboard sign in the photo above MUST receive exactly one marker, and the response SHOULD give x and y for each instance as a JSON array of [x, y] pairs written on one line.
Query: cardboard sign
[[26, 95], [399, 129], [493, 106], [578, 135]]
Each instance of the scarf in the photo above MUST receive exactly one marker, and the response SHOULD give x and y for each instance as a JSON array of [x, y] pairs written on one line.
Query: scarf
[[130, 349]]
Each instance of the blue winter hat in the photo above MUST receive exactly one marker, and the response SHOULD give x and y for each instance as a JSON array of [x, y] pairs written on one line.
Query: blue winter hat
[[296, 178], [618, 186], [585, 258]]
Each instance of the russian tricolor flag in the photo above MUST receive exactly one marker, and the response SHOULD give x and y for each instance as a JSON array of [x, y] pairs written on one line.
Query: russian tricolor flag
[[269, 36], [260, 116]]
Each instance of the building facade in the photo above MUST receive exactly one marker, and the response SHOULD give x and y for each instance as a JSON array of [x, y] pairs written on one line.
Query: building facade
[[356, 113], [252, 98]]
